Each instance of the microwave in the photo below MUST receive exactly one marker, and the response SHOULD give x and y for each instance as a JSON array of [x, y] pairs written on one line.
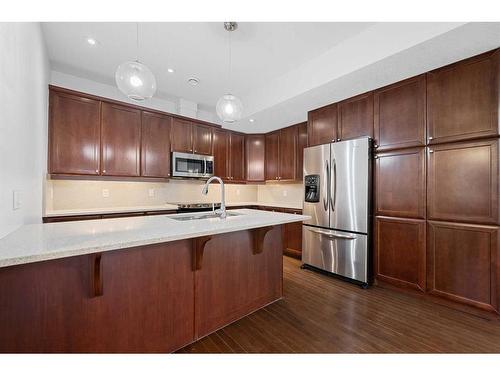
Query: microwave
[[192, 165]]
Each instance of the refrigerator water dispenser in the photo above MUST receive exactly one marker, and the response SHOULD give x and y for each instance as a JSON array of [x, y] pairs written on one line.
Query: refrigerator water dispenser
[[311, 184]]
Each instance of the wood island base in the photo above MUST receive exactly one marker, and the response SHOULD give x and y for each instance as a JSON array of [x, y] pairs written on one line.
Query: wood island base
[[148, 299]]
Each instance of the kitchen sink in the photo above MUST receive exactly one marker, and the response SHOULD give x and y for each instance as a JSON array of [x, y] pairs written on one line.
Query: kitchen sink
[[201, 216]]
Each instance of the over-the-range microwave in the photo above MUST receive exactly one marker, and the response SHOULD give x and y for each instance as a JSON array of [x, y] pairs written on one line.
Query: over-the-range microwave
[[192, 165]]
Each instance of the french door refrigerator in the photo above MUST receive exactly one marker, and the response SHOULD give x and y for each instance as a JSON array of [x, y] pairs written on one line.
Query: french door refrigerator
[[337, 190]]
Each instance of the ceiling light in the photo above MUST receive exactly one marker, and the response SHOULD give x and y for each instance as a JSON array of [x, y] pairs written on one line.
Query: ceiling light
[[193, 81], [170, 70], [135, 79], [229, 108], [91, 41], [251, 120]]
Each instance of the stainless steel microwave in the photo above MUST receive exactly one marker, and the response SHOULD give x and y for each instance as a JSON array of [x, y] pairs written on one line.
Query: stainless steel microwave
[[192, 165]]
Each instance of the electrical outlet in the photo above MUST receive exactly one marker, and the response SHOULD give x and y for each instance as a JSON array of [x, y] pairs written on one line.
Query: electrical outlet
[[105, 193], [237, 191], [16, 200], [285, 193], [151, 193]]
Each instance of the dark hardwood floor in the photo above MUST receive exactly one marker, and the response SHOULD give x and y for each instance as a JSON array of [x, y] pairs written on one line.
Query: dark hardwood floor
[[321, 314]]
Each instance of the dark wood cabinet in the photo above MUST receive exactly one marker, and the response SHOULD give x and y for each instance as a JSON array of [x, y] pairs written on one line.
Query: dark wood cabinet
[[463, 182], [121, 141], [462, 99], [237, 157], [355, 117], [255, 148], [202, 139], [221, 153], [272, 156], [463, 263], [400, 251], [399, 111], [155, 145], [292, 236], [301, 145], [322, 125], [181, 136], [288, 153], [74, 134], [400, 183]]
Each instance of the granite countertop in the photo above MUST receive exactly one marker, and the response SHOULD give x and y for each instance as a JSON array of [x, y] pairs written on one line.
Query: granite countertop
[[162, 207], [39, 242]]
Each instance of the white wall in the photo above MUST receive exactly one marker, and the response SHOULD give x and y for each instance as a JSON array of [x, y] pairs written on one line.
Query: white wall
[[24, 75], [109, 91]]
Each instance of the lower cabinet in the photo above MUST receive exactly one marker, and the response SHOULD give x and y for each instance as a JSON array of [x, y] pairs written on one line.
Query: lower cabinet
[[464, 263], [400, 251]]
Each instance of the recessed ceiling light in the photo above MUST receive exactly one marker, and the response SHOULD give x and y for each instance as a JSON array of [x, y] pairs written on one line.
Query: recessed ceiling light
[[251, 120], [170, 70], [91, 41], [193, 81]]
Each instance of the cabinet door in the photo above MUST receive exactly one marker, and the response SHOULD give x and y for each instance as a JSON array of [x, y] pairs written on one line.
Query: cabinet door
[[221, 153], [74, 134], [463, 263], [400, 251], [155, 149], [121, 141], [272, 156], [292, 236], [462, 99], [237, 156], [202, 139], [255, 148], [301, 144], [400, 114], [463, 182], [181, 138], [288, 153], [322, 125], [356, 117], [400, 183]]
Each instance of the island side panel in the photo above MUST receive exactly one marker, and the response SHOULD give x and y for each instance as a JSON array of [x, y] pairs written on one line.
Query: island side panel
[[233, 281], [147, 303]]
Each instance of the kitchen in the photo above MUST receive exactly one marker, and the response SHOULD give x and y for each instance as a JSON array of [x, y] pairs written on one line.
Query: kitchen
[[179, 216]]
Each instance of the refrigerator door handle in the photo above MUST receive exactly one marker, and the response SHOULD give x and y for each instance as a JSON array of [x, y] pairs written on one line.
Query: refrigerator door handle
[[326, 187], [333, 196], [332, 235]]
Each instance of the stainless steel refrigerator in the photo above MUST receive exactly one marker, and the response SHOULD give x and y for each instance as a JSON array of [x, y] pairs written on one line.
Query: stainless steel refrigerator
[[337, 191]]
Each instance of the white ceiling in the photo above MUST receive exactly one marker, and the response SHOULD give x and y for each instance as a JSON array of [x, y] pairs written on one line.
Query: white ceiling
[[279, 70]]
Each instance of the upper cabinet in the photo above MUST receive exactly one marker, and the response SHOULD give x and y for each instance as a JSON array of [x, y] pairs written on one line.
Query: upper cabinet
[[74, 134], [202, 139], [301, 144], [255, 148], [355, 117], [282, 149], [236, 157], [221, 153], [399, 111], [322, 125], [463, 99], [155, 145], [121, 141]]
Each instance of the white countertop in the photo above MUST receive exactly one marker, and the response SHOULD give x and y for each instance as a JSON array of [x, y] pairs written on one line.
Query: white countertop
[[39, 242], [162, 207]]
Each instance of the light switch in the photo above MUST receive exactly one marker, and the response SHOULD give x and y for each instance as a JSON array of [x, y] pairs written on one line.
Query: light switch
[[105, 193], [237, 191], [151, 193], [16, 200], [285, 193]]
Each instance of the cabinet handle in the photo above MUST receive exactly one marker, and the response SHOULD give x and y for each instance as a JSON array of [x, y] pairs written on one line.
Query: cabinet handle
[[338, 139], [375, 146], [104, 171], [97, 171], [430, 138], [375, 157], [431, 151]]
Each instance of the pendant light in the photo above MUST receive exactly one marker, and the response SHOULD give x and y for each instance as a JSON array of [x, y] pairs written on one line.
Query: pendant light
[[135, 79], [229, 108]]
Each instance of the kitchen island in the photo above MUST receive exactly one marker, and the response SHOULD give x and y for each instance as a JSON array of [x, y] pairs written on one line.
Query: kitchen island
[[139, 284]]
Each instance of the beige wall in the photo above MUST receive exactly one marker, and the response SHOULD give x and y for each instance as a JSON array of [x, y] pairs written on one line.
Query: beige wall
[[87, 194]]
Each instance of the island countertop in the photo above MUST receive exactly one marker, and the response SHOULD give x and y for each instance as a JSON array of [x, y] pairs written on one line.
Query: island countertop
[[39, 242]]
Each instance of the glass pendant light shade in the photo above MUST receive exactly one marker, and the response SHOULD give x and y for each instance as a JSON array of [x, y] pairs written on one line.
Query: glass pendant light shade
[[229, 108], [135, 80]]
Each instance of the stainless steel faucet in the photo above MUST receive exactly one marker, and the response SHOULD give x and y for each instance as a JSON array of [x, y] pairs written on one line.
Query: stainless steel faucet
[[222, 210]]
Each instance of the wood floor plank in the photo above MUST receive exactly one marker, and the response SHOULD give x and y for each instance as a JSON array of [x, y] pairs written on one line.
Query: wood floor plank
[[322, 314]]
